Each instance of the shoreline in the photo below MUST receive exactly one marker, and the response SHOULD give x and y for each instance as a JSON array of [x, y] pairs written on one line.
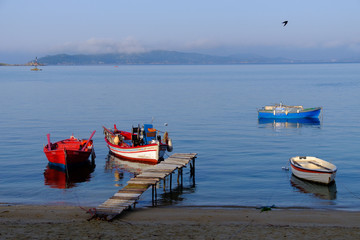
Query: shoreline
[[65, 222]]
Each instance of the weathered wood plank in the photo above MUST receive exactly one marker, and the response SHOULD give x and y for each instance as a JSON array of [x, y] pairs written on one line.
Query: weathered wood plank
[[181, 160], [179, 164], [154, 174], [146, 178], [106, 211], [144, 182], [102, 208], [103, 213], [175, 162], [127, 194], [164, 169], [124, 198], [116, 206], [168, 167], [180, 157], [111, 201], [134, 191], [136, 186], [117, 202], [183, 155]]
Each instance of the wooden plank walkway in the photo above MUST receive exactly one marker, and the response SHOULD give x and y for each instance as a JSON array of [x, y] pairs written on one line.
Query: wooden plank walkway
[[128, 196]]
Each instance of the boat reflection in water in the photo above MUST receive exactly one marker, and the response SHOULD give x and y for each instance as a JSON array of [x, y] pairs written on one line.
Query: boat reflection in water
[[322, 191], [60, 178], [120, 167], [289, 123], [134, 167]]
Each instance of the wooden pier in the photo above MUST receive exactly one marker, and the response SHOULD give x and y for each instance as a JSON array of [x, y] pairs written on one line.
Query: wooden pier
[[150, 177]]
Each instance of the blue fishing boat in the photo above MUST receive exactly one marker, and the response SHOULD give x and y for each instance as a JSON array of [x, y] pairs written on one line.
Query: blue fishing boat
[[284, 111]]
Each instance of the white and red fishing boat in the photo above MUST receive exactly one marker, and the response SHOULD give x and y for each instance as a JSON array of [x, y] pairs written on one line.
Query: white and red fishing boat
[[69, 152], [142, 144], [313, 169]]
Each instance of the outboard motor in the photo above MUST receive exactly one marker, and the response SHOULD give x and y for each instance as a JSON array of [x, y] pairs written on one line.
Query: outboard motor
[[135, 136]]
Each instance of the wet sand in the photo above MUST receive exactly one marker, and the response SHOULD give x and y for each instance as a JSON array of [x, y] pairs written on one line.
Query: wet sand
[[68, 222]]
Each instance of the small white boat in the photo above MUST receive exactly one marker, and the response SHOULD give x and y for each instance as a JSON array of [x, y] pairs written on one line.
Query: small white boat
[[313, 169]]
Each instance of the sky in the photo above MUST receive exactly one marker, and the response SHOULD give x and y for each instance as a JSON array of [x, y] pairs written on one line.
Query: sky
[[315, 29]]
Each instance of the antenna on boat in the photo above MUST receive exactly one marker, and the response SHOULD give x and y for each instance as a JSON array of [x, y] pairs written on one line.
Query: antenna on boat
[[152, 120]]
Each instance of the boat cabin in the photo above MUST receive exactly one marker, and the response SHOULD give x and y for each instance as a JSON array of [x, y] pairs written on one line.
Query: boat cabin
[[143, 135]]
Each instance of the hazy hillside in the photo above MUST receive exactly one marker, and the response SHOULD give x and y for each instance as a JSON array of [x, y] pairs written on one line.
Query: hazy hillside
[[153, 57], [172, 57]]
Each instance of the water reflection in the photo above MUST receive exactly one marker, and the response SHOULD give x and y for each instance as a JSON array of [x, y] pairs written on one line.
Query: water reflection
[[327, 192], [120, 167], [176, 195], [62, 179], [136, 168], [289, 123]]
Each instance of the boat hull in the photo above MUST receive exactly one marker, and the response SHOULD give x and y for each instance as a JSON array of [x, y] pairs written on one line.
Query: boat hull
[[150, 153], [72, 158], [282, 114], [305, 169]]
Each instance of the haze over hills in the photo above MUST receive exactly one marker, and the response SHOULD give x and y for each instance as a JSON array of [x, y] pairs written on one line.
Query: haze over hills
[[169, 57], [152, 58]]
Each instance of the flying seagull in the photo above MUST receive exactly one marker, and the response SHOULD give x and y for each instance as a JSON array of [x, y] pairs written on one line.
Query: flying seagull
[[285, 22]]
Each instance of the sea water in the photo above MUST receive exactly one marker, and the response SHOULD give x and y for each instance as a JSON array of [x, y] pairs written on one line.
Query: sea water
[[210, 110]]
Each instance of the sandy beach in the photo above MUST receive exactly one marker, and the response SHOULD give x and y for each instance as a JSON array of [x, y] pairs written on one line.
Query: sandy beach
[[68, 222]]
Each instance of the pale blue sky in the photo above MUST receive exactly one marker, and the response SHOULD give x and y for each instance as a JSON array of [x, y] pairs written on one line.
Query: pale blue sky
[[43, 27]]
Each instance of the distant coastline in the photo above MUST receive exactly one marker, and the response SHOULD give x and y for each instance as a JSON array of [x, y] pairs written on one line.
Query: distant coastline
[[160, 57], [25, 64]]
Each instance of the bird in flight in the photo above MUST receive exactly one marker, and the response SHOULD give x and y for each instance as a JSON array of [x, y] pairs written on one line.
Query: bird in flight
[[285, 22]]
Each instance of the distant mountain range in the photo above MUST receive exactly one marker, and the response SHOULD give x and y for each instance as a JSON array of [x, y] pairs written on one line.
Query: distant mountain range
[[167, 57]]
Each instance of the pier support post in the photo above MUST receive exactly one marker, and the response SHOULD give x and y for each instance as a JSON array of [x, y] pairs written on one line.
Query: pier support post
[[181, 178], [192, 170], [153, 195], [170, 181], [178, 176]]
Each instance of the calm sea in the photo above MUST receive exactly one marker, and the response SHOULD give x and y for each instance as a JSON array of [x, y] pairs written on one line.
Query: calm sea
[[210, 110]]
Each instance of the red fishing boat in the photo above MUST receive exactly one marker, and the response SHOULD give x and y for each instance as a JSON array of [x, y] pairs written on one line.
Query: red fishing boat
[[69, 152], [142, 144]]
